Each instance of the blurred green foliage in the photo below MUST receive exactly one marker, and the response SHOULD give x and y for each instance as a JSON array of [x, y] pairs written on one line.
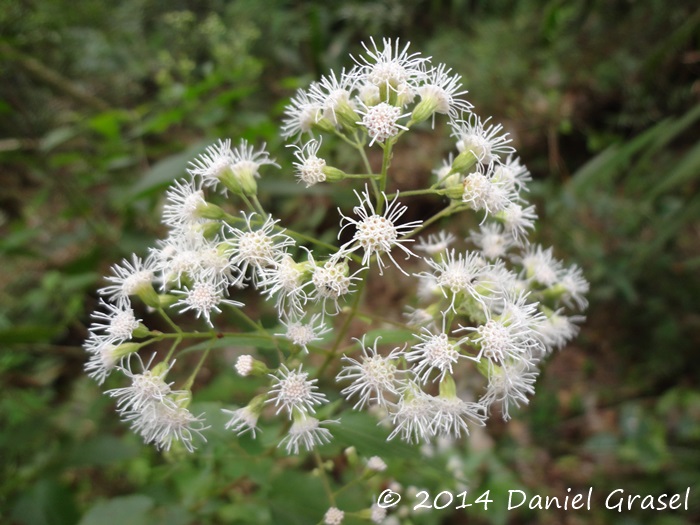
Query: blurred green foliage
[[103, 104]]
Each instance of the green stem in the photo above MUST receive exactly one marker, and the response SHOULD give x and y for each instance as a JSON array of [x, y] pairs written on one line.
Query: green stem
[[248, 203], [175, 344], [449, 210], [411, 193], [386, 161], [169, 321], [193, 375], [343, 329], [361, 176], [324, 478], [258, 206]]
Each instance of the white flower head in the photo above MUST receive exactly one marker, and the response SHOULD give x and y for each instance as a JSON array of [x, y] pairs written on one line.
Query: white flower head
[[378, 234], [487, 143], [300, 115], [376, 464], [244, 365], [453, 416], [105, 353], [246, 162], [283, 280], [378, 513], [517, 220], [492, 240], [204, 297], [510, 336], [146, 388], [457, 275], [166, 422], [258, 247], [557, 329], [373, 376], [510, 383], [441, 90], [302, 334], [381, 121], [214, 164], [310, 166], [436, 243], [540, 266], [413, 415], [242, 420], [575, 287], [293, 391], [185, 202], [481, 192], [306, 431], [130, 278], [333, 95], [119, 323], [392, 70], [435, 351], [512, 173], [331, 280], [333, 516]]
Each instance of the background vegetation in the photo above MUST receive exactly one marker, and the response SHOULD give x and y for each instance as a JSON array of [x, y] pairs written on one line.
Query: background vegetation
[[103, 103]]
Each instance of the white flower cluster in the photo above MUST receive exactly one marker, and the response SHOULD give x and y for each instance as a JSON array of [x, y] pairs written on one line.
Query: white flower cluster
[[485, 301]]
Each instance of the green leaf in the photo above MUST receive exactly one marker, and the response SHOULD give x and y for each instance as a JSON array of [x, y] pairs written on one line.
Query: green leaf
[[134, 510], [362, 431], [47, 503], [166, 171]]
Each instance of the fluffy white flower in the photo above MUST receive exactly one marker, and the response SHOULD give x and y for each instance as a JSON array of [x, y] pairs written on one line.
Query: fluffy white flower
[[185, 202], [334, 96], [204, 297], [381, 121], [539, 265], [510, 383], [392, 70], [436, 243], [492, 240], [309, 166], [459, 275], [300, 115], [331, 281], [294, 392], [303, 334], [441, 91], [510, 336], [130, 278], [376, 464], [378, 234], [436, 351], [166, 422], [306, 431], [119, 323], [487, 143], [453, 416], [517, 220], [146, 387], [373, 376], [214, 164], [283, 280], [413, 415], [242, 420], [333, 516], [256, 246]]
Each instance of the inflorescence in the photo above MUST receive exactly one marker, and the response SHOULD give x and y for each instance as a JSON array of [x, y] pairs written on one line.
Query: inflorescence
[[485, 302]]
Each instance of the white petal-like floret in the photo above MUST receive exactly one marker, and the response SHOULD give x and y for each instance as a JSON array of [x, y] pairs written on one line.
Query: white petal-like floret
[[378, 234], [294, 392]]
